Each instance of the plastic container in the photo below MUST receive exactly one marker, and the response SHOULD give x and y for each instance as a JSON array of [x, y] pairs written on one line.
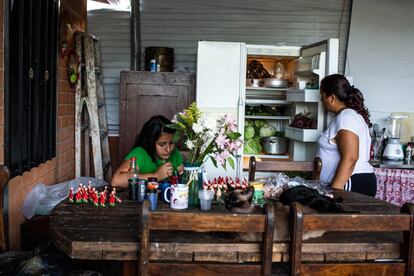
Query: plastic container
[[163, 58], [206, 196], [152, 197]]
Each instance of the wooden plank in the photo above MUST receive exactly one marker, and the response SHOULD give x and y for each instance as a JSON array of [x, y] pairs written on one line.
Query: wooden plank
[[350, 247], [296, 233], [160, 255], [346, 257], [383, 255], [129, 268], [268, 240], [365, 269], [408, 250], [144, 251], [246, 257], [191, 269], [228, 257], [356, 222], [207, 222]]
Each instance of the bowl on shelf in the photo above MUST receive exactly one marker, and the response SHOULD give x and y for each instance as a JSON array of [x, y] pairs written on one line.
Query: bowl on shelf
[[254, 82]]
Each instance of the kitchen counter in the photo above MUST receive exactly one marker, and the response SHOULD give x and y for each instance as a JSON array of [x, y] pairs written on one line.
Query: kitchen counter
[[395, 183], [403, 166]]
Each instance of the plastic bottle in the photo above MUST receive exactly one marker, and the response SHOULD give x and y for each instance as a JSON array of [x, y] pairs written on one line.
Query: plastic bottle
[[133, 177]]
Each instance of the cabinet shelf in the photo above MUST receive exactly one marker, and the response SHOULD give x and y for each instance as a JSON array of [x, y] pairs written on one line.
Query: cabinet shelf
[[308, 73], [268, 88], [268, 117], [280, 156], [303, 95], [300, 134], [265, 101]]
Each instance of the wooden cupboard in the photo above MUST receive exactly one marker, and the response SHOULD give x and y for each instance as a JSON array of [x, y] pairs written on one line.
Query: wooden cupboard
[[144, 94]]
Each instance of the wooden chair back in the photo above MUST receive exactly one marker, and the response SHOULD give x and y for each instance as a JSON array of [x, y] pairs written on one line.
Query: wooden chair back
[[269, 165], [168, 220], [377, 222]]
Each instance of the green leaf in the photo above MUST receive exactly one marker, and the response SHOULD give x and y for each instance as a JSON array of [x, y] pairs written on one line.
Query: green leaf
[[233, 135], [214, 161], [231, 162], [176, 136], [172, 126]]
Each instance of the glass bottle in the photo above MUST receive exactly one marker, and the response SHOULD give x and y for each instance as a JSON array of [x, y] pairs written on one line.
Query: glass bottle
[[133, 177]]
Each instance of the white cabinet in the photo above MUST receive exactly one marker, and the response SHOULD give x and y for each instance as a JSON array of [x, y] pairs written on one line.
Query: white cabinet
[[221, 88]]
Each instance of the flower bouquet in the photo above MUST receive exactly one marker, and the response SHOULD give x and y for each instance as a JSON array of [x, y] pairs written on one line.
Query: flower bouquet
[[205, 138]]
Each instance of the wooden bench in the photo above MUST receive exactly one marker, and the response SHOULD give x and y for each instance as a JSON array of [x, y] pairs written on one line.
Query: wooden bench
[[346, 222], [213, 221]]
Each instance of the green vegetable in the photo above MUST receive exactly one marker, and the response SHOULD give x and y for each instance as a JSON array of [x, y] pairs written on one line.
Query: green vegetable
[[259, 123], [248, 123], [248, 132], [252, 146], [267, 130]]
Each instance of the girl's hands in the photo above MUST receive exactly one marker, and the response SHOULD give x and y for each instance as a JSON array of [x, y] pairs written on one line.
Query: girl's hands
[[164, 171]]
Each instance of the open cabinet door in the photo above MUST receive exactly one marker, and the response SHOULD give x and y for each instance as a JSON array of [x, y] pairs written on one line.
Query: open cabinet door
[[331, 49], [316, 61], [220, 82]]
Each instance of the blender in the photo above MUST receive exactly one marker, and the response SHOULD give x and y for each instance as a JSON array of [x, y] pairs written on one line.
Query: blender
[[393, 152]]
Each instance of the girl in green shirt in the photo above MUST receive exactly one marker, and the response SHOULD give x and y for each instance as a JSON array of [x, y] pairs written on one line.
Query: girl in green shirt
[[155, 152]]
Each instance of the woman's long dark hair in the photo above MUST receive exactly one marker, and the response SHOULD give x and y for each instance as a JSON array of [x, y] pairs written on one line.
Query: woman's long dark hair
[[151, 132], [339, 86]]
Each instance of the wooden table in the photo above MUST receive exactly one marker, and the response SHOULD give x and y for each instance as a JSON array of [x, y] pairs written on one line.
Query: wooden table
[[93, 233]]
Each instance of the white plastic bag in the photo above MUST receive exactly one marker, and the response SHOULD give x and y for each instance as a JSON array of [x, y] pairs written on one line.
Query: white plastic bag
[[42, 198]]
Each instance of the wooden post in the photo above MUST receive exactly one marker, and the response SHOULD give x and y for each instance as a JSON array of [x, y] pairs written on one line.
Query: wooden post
[[252, 168], [296, 233], [408, 244], [268, 240], [144, 250]]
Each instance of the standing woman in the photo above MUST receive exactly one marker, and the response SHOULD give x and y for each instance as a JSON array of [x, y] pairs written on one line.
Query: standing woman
[[155, 152], [344, 146]]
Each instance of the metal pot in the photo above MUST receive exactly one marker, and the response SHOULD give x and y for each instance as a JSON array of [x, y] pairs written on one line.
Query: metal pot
[[276, 83], [274, 145]]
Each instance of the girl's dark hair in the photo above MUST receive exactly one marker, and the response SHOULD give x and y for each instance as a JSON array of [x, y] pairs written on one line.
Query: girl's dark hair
[[151, 132], [339, 86]]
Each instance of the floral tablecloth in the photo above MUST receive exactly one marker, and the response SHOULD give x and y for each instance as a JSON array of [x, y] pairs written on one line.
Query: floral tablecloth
[[395, 185]]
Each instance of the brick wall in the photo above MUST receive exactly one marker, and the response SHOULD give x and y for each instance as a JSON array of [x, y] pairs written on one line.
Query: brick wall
[[62, 167], [1, 86]]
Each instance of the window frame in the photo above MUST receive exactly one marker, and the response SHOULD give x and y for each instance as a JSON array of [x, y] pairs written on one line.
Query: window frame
[[31, 65]]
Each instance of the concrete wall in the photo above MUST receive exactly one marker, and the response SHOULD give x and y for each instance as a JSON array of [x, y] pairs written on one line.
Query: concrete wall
[[60, 168], [380, 55]]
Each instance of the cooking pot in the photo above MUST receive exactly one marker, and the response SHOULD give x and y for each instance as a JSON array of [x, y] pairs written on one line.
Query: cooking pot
[[276, 83], [274, 145]]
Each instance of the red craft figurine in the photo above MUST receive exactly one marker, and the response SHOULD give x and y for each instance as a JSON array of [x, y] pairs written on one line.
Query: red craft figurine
[[117, 198], [95, 198], [78, 198], [112, 199], [102, 199], [71, 194], [84, 195]]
